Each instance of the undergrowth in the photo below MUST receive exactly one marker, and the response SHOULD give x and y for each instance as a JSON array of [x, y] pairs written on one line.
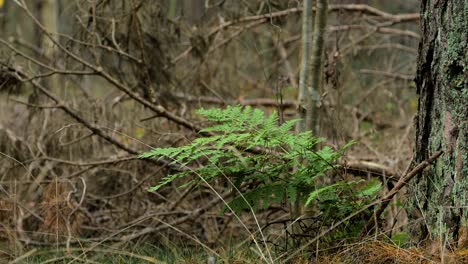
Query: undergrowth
[[265, 162], [164, 252]]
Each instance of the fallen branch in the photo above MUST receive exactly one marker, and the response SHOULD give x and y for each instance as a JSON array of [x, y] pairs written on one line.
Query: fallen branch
[[375, 169], [397, 76], [193, 215], [267, 102], [252, 102]]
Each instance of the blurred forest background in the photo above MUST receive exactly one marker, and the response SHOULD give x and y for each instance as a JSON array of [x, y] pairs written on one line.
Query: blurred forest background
[[85, 86]]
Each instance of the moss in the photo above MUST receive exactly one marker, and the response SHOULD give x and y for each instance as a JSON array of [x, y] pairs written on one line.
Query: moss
[[461, 170], [442, 189], [457, 35], [455, 59], [437, 135], [427, 11]]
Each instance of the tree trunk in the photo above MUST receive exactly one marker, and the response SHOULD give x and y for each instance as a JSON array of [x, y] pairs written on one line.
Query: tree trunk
[[194, 10], [313, 38], [306, 64], [318, 45], [440, 193], [313, 41]]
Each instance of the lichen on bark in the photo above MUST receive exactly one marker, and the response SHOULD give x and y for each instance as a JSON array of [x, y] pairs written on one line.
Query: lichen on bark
[[440, 193]]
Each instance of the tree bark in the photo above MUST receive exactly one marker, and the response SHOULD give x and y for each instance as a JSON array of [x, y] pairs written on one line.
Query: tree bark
[[194, 10], [318, 46], [306, 64], [439, 194], [313, 40]]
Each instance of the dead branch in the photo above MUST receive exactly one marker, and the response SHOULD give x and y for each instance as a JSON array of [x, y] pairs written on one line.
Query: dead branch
[[92, 127], [401, 183], [159, 109], [397, 76], [88, 163], [365, 9], [369, 10], [372, 168], [193, 215]]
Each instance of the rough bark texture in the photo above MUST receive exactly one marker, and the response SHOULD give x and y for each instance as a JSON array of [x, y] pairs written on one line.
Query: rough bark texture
[[440, 193]]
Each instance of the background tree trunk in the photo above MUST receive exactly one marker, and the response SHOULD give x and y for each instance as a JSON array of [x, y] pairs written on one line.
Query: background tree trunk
[[440, 193], [313, 38], [318, 44], [194, 10], [306, 64]]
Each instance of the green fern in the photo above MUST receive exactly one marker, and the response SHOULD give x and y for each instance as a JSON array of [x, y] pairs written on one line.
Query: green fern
[[285, 169]]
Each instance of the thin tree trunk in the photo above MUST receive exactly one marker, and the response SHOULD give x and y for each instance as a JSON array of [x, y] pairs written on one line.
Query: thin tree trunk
[[48, 17], [318, 44], [194, 10], [172, 9], [440, 194], [313, 40], [306, 64], [310, 76]]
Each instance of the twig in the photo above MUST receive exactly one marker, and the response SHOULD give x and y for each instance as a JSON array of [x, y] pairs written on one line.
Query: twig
[[398, 18], [397, 76], [378, 29], [24, 256], [196, 213], [332, 8], [369, 10], [100, 72], [94, 128], [86, 163], [267, 102], [34, 105], [284, 59]]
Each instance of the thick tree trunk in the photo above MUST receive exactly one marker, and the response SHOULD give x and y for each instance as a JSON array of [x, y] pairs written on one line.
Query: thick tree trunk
[[440, 193]]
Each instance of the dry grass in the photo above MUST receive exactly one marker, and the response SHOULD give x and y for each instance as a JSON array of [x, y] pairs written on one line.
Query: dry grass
[[379, 252], [62, 218]]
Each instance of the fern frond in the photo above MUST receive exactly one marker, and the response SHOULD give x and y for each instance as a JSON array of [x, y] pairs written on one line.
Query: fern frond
[[260, 196], [288, 172]]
